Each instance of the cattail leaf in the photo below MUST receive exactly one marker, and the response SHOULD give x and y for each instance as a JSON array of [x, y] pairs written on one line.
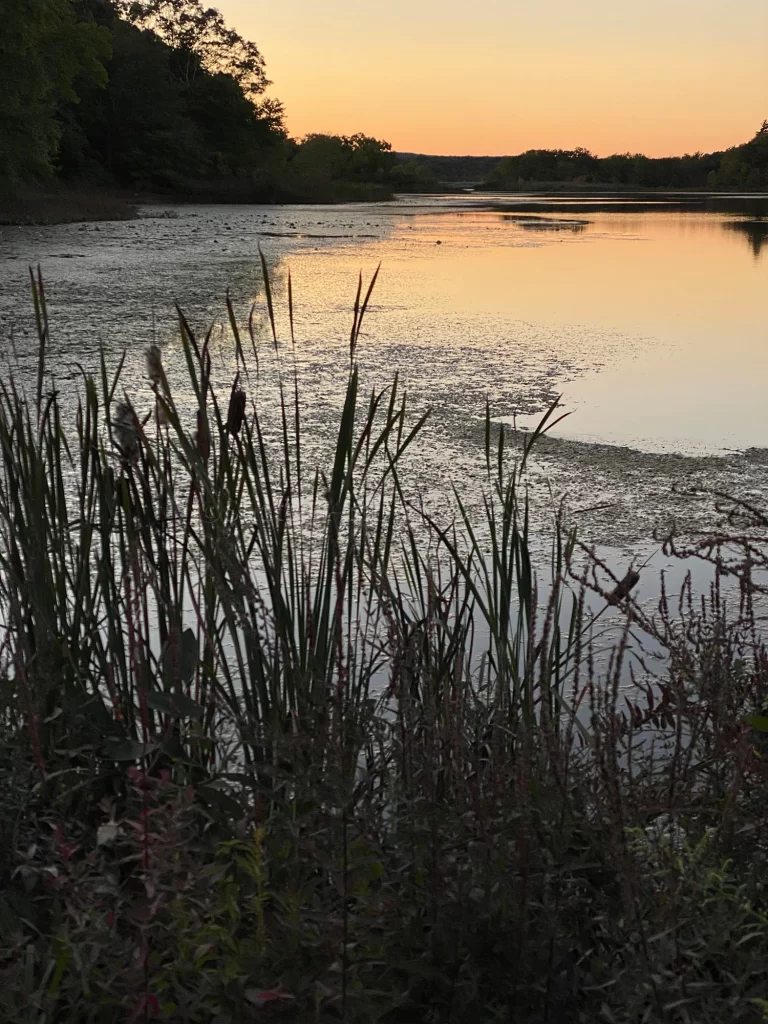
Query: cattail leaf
[[268, 296]]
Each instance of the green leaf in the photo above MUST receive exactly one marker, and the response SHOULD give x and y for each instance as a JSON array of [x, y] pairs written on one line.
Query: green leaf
[[173, 748], [216, 798], [127, 750], [10, 922], [188, 657], [759, 722], [63, 954], [177, 705]]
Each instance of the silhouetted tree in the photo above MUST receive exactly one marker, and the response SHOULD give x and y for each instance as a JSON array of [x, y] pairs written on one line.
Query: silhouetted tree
[[743, 166], [345, 157], [44, 50], [201, 32]]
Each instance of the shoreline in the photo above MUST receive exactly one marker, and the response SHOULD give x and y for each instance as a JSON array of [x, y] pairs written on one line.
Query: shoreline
[[67, 206], [28, 208], [587, 188], [81, 205]]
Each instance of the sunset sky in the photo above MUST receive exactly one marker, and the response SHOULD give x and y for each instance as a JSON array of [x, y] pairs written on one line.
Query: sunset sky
[[501, 76]]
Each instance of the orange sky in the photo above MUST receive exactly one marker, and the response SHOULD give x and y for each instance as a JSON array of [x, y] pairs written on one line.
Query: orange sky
[[501, 76]]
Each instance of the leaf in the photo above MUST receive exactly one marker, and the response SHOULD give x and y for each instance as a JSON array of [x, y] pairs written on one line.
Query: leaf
[[759, 722], [177, 705], [173, 748], [64, 952], [127, 750], [273, 999], [16, 908], [213, 796], [188, 657], [93, 711]]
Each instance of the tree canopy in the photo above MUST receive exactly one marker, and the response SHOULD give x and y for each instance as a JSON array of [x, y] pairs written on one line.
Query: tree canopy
[[163, 94], [345, 157], [743, 166], [150, 95], [201, 32], [45, 50], [159, 94]]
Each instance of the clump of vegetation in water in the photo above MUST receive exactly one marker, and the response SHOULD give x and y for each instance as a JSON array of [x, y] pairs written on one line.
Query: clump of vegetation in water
[[274, 744]]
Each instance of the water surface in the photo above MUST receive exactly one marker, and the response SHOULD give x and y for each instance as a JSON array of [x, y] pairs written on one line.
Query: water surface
[[648, 316]]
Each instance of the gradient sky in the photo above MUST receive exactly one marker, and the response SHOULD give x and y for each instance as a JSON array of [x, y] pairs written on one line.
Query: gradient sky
[[500, 76]]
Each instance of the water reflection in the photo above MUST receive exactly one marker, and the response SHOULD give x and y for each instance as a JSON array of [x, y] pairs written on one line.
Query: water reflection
[[534, 223], [755, 231], [542, 214], [649, 314]]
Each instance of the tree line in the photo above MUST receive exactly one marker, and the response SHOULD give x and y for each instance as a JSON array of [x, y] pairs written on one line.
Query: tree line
[[163, 95], [158, 95], [743, 167]]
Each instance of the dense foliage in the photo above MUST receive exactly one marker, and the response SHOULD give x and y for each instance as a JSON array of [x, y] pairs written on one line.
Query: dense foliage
[[273, 742], [46, 54], [158, 95], [164, 95], [469, 170], [348, 158], [180, 104], [743, 167]]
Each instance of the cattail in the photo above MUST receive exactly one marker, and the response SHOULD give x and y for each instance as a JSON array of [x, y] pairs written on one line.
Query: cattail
[[126, 431], [203, 436], [160, 414], [623, 588], [154, 359], [236, 412]]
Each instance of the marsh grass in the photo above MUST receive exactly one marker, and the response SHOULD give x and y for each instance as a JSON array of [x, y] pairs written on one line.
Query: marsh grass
[[64, 206], [275, 742]]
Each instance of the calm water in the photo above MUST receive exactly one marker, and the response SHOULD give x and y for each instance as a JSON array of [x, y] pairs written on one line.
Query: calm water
[[650, 318]]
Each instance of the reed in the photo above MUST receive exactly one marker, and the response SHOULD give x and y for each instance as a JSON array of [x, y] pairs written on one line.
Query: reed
[[273, 740]]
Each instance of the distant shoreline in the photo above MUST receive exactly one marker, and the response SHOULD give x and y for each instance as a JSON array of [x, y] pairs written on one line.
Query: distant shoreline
[[73, 206], [61, 205], [589, 187], [66, 206]]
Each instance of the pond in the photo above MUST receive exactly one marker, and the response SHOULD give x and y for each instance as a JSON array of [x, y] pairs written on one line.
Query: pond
[[647, 314]]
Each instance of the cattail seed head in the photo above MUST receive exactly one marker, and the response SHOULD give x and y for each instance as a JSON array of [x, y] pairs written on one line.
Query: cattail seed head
[[236, 412], [203, 436], [154, 359], [624, 587], [126, 431]]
